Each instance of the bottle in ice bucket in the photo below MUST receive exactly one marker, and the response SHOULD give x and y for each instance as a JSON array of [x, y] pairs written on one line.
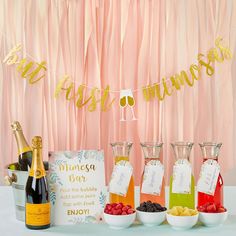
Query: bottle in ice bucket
[[152, 186], [121, 185], [37, 206], [182, 180], [210, 189], [24, 150]]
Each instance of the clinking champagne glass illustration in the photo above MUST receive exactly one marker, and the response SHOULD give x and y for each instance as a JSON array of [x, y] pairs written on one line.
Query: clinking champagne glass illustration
[[127, 98]]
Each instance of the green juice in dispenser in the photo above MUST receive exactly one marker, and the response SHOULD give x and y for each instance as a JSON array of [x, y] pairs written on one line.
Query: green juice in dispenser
[[182, 187]]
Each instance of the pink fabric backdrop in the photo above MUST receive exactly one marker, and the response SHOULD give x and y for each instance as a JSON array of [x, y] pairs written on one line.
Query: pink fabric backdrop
[[124, 44]]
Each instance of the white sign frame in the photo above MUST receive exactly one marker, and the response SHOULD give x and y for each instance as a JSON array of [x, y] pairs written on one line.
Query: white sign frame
[[77, 188]]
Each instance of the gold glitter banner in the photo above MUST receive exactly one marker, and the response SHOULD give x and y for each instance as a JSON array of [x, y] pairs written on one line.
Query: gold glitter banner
[[34, 71], [219, 53]]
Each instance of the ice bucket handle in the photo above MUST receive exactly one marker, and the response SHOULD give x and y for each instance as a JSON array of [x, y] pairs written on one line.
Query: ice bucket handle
[[9, 180]]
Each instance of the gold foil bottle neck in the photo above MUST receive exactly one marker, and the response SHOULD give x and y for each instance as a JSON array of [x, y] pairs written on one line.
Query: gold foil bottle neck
[[36, 142], [15, 125]]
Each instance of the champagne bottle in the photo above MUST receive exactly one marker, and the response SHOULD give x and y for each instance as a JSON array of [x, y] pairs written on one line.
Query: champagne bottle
[[14, 166], [24, 150], [37, 207]]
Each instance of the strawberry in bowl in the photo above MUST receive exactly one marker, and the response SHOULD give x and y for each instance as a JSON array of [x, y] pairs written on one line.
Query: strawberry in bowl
[[211, 214], [119, 216]]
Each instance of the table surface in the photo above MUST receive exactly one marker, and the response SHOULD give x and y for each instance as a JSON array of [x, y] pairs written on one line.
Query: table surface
[[9, 226]]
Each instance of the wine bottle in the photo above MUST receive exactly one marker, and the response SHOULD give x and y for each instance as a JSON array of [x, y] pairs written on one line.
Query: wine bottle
[[24, 150], [37, 207]]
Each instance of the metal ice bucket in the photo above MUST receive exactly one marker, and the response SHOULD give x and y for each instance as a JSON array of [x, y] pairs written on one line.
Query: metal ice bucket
[[17, 179]]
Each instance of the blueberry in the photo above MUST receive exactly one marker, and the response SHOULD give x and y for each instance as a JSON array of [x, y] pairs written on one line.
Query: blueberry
[[151, 209], [158, 206], [143, 209], [143, 204]]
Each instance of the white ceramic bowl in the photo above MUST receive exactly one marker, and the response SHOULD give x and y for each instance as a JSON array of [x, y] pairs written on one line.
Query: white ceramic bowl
[[182, 222], [151, 218], [119, 221], [213, 219]]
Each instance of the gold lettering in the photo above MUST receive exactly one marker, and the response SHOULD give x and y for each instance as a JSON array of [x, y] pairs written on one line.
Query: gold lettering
[[77, 167], [60, 85], [12, 57], [80, 92], [93, 105], [177, 81], [158, 92], [24, 69], [104, 99], [225, 51], [150, 91], [186, 78], [78, 212], [209, 69], [69, 91], [213, 56], [76, 178], [146, 93], [79, 95], [36, 71], [193, 68], [166, 91]]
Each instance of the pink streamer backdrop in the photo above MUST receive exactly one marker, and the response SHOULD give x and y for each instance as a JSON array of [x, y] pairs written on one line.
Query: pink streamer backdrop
[[124, 44]]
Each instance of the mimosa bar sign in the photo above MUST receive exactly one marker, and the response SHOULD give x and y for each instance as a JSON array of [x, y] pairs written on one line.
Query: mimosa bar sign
[[77, 186]]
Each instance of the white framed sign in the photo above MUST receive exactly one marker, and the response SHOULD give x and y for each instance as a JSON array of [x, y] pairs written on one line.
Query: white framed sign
[[76, 186]]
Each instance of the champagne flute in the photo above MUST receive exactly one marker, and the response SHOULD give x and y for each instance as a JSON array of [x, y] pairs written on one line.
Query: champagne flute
[[127, 98], [123, 103], [131, 103]]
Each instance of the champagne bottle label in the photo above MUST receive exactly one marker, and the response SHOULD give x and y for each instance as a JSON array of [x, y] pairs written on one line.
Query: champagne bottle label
[[37, 214]]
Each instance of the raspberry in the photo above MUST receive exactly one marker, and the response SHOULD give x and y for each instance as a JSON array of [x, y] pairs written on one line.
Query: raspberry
[[130, 211], [211, 208], [106, 211], [119, 211], [201, 208], [119, 206], [124, 209], [115, 212], [221, 209]]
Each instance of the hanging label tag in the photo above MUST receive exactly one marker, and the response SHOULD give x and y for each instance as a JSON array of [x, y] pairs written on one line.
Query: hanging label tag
[[182, 174], [120, 178], [152, 177], [209, 174]]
